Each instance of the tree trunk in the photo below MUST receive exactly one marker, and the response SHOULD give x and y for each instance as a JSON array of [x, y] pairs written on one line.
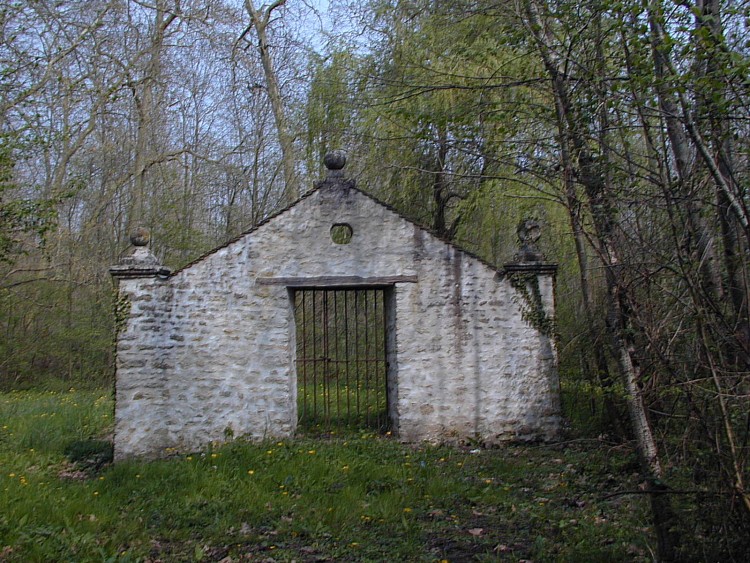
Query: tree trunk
[[601, 202], [713, 103], [666, 70], [145, 102], [260, 20], [704, 253]]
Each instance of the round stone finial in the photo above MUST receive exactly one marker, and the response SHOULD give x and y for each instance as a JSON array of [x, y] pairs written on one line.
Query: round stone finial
[[140, 236], [335, 160]]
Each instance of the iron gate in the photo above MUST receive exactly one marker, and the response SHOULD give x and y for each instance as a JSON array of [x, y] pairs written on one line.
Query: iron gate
[[341, 358]]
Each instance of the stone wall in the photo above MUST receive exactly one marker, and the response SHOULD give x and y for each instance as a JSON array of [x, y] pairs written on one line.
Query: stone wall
[[207, 353]]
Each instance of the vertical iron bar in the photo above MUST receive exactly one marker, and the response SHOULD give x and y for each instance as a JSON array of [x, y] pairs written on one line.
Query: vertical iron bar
[[385, 362], [381, 360], [376, 357], [327, 363], [336, 335], [376, 363], [367, 363], [315, 357], [347, 355], [324, 346], [356, 347], [304, 356]]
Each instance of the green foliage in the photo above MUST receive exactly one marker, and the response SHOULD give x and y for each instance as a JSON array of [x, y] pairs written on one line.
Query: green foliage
[[433, 103], [527, 286], [329, 108], [122, 310], [44, 422], [354, 496], [583, 404], [54, 331], [20, 216]]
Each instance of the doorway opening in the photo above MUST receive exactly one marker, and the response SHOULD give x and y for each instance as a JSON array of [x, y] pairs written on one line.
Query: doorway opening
[[341, 358]]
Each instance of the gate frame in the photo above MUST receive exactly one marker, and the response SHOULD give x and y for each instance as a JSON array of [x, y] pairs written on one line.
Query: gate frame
[[388, 286]]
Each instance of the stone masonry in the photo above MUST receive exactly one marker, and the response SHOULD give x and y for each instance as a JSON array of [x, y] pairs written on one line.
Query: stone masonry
[[207, 353]]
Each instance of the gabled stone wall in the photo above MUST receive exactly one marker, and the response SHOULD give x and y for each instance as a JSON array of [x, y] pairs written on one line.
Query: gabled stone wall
[[207, 353]]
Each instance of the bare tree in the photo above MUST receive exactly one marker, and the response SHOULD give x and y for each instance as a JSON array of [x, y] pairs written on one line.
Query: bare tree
[[260, 19], [591, 173]]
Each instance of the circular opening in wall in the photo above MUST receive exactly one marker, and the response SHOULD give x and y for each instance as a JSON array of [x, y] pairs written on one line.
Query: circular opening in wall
[[341, 233]]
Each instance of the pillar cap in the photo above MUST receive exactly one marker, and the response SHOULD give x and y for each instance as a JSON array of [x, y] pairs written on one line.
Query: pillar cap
[[335, 161], [141, 263], [530, 267]]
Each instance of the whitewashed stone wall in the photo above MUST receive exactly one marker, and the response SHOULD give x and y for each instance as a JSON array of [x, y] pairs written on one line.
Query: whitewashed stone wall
[[207, 354]]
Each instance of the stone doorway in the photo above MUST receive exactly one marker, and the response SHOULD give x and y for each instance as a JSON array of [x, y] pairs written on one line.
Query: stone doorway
[[341, 358]]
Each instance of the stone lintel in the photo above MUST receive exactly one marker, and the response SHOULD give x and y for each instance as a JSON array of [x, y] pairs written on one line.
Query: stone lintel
[[336, 281], [125, 271], [539, 268]]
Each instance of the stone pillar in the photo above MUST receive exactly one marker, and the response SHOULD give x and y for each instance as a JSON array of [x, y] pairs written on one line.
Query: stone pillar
[[534, 281], [142, 350]]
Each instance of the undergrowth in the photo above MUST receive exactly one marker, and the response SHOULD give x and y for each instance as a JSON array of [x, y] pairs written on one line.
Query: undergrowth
[[349, 497]]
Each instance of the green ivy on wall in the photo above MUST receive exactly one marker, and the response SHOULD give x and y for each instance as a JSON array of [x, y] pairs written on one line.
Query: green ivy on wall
[[526, 285]]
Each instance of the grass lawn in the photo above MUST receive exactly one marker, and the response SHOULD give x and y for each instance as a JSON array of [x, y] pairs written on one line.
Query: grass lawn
[[352, 497]]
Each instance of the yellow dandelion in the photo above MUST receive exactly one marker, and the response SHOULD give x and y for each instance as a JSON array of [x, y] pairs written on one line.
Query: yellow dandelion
[[407, 510], [250, 472]]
